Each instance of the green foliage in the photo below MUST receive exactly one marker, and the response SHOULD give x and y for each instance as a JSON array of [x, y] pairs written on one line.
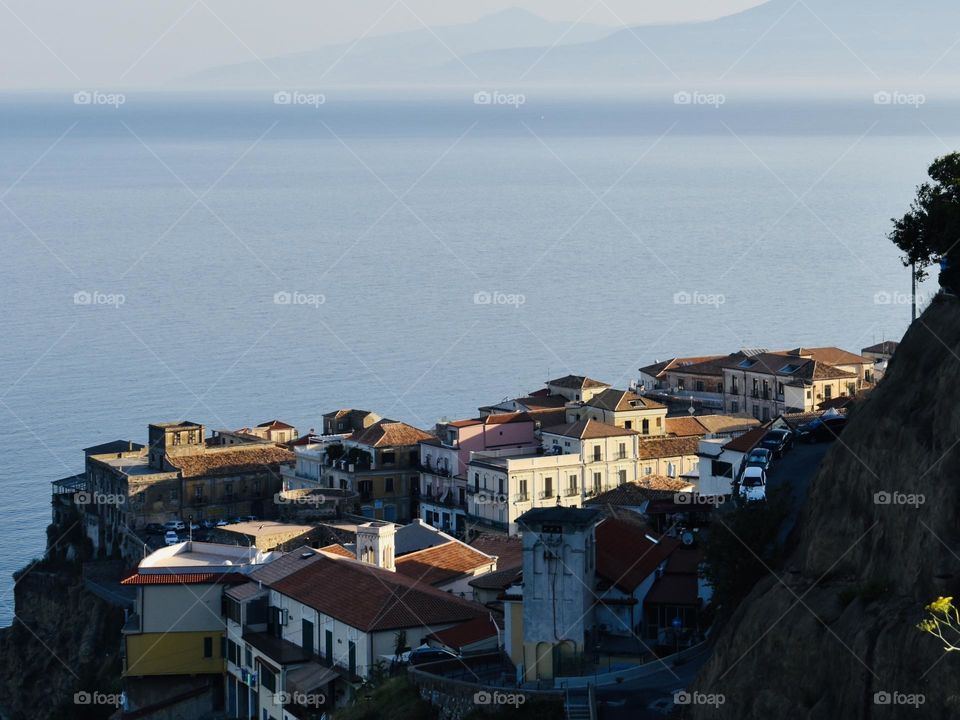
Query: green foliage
[[741, 546], [396, 699], [931, 228]]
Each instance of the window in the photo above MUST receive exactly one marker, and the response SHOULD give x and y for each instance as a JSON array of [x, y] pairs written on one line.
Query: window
[[756, 387], [699, 386], [621, 476], [572, 485], [734, 388], [522, 489], [720, 388], [628, 424], [247, 657], [198, 492], [176, 438], [389, 457], [719, 468], [228, 489], [680, 383], [780, 389], [352, 657], [306, 636], [734, 406], [268, 679], [622, 451], [476, 482], [809, 394], [388, 485], [548, 487], [174, 494], [648, 470], [208, 647], [233, 652], [597, 482], [500, 485], [645, 426], [596, 453], [232, 610], [827, 392], [659, 421]]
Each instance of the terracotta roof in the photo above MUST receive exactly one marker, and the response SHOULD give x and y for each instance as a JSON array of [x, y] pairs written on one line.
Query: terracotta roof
[[369, 598], [337, 549], [171, 578], [389, 433], [625, 554], [636, 493], [238, 459], [507, 549], [499, 580], [468, 633], [887, 347], [657, 368], [674, 590], [577, 382], [668, 447], [727, 423], [588, 430], [441, 563], [684, 426], [746, 442], [276, 425], [621, 400], [830, 355]]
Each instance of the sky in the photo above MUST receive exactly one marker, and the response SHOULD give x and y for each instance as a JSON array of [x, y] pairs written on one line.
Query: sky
[[144, 43]]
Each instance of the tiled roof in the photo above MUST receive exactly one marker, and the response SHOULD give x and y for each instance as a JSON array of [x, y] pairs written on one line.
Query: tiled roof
[[657, 368], [625, 554], [678, 590], [337, 549], [388, 433], [507, 549], [244, 592], [621, 400], [499, 580], [276, 425], [369, 598], [588, 430], [172, 578], [634, 494], [727, 423], [464, 634], [746, 442], [577, 382], [668, 447], [238, 459], [284, 565], [441, 563], [506, 418], [684, 427], [830, 355]]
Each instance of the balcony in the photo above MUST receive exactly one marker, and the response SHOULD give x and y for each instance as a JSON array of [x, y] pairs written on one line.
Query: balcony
[[546, 495], [521, 497], [572, 492]]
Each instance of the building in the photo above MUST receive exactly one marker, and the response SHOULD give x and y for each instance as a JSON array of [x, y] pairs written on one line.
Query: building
[[348, 420], [177, 476], [881, 351], [444, 459], [621, 408], [722, 461], [555, 604], [578, 459], [173, 659], [698, 378], [670, 456], [318, 622], [575, 388]]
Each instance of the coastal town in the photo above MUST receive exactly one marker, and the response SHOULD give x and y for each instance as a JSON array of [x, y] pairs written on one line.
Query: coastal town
[[546, 550]]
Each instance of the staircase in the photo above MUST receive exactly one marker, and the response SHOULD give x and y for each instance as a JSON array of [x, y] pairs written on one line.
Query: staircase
[[580, 704]]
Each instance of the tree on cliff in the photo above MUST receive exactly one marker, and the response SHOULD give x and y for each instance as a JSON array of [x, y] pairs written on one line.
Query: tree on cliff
[[930, 231]]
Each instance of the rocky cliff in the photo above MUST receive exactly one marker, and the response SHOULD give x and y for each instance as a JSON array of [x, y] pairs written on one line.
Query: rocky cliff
[[65, 640], [833, 634]]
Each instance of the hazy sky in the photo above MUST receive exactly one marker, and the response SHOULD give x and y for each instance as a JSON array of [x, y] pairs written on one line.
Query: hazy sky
[[112, 43]]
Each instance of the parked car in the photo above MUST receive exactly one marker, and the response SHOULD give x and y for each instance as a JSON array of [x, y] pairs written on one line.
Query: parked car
[[753, 484], [221, 522], [760, 457], [208, 524], [426, 654], [154, 529], [778, 442], [171, 538], [823, 429], [174, 525], [251, 518]]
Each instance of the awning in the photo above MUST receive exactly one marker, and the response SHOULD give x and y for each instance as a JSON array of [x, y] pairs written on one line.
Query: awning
[[309, 677]]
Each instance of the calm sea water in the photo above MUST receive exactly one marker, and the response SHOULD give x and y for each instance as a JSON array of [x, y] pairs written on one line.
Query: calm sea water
[[579, 219]]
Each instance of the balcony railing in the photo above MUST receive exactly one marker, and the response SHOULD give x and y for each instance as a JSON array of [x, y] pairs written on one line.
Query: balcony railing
[[521, 497], [572, 492], [546, 494]]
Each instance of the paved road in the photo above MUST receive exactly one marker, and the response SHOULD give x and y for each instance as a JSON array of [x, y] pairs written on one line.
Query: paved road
[[652, 697]]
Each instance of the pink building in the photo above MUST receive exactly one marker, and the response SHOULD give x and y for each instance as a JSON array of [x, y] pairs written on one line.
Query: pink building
[[443, 462]]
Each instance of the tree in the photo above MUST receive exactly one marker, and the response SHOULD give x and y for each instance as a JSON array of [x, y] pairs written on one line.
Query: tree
[[930, 231]]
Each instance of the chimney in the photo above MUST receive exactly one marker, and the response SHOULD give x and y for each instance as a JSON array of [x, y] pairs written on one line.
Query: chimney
[[375, 544]]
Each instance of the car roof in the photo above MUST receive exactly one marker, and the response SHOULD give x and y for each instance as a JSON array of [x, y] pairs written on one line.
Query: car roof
[[753, 471]]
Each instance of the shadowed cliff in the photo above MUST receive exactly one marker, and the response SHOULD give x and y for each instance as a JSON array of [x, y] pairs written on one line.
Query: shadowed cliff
[[823, 637]]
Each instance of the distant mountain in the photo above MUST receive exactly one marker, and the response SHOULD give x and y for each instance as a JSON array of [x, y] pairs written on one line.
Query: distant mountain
[[406, 57], [815, 41]]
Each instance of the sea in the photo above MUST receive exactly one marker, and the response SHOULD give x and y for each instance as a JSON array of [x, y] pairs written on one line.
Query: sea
[[234, 258]]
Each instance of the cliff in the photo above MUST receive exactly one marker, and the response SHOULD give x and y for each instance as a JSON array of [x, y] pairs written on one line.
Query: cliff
[[822, 637], [65, 640]]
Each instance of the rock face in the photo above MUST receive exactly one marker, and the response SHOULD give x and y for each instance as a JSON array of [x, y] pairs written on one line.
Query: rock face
[[66, 640], [833, 635]]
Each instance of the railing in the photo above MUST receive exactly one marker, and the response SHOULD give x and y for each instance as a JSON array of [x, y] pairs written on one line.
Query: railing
[[521, 497], [546, 494], [571, 492]]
